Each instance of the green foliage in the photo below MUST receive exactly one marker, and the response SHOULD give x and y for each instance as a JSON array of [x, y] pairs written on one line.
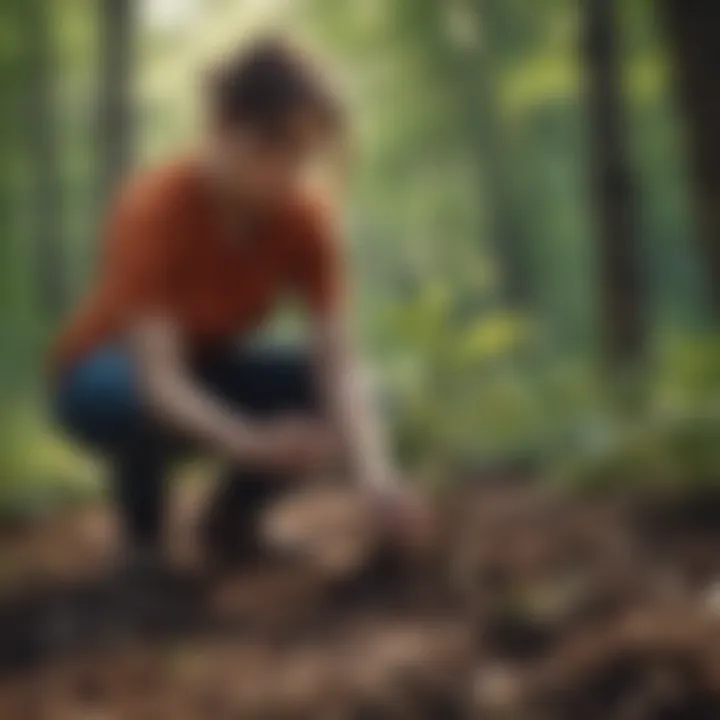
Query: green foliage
[[671, 439], [439, 360], [39, 472]]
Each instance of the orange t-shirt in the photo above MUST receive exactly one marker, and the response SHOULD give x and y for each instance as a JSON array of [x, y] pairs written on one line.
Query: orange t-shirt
[[167, 252]]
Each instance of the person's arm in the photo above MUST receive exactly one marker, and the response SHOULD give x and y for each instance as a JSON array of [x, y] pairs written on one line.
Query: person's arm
[[321, 275], [403, 515], [349, 402], [176, 400], [350, 408]]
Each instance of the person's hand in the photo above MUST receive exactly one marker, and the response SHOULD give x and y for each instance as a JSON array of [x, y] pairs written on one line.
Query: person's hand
[[291, 444]]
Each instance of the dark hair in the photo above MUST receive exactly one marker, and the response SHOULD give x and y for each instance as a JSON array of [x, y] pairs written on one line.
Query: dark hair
[[263, 85]]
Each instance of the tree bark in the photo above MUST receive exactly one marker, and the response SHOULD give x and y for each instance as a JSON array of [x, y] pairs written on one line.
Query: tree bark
[[620, 278], [474, 68], [504, 229], [694, 30], [115, 102], [43, 123]]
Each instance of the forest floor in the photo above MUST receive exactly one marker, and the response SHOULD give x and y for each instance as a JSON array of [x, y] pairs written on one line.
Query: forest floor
[[529, 605]]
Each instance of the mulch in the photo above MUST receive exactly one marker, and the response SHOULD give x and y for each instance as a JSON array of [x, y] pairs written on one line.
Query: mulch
[[528, 605]]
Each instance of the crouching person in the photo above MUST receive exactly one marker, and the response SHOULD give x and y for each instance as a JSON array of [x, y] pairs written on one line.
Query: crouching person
[[197, 254]]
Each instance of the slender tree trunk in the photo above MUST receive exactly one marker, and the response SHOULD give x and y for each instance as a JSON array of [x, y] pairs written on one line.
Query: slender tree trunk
[[471, 65], [694, 28], [493, 164], [42, 124], [115, 104], [619, 257]]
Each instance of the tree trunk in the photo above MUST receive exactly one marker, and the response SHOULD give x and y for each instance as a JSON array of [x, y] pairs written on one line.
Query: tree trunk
[[620, 279], [694, 28], [115, 104], [474, 66], [503, 227], [42, 125]]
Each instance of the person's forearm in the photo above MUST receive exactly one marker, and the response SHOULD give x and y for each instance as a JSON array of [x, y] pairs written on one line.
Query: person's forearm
[[176, 401], [367, 450], [352, 412], [171, 394]]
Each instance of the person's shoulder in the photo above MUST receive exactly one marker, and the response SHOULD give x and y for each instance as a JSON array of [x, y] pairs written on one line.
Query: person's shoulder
[[313, 215], [170, 187]]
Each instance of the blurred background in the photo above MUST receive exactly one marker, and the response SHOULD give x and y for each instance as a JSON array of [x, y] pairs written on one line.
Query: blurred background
[[533, 214]]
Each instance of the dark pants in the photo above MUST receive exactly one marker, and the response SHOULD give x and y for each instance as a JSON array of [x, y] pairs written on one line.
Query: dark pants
[[99, 403]]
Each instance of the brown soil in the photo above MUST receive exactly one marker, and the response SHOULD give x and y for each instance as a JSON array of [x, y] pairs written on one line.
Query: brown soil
[[526, 606]]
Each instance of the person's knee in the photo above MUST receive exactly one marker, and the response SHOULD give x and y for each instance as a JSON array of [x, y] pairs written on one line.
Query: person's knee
[[97, 402]]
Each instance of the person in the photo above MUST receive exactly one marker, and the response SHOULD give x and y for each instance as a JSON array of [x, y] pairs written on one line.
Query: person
[[198, 254]]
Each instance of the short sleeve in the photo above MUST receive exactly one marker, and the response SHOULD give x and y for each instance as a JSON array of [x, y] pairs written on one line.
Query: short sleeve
[[320, 271]]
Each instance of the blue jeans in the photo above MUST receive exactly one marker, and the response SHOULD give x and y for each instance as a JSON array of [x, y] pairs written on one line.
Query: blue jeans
[[99, 403]]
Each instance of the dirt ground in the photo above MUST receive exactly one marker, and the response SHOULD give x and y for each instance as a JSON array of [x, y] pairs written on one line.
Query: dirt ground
[[527, 606]]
